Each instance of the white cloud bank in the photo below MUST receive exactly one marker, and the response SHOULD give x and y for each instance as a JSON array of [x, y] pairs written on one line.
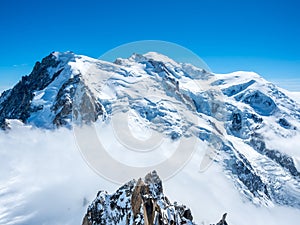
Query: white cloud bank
[[289, 84], [44, 180]]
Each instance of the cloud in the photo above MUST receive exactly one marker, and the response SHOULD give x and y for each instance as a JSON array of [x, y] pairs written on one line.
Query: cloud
[[44, 179], [290, 84]]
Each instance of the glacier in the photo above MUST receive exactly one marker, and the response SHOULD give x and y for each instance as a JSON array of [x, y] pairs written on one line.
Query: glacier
[[246, 127]]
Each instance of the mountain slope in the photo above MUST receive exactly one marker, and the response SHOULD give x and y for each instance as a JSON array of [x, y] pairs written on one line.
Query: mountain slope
[[242, 117]]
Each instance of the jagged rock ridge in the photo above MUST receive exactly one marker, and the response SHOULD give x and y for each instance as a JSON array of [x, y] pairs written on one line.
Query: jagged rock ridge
[[138, 202], [45, 96]]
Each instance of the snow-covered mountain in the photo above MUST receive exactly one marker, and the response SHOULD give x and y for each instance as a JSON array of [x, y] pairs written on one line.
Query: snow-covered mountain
[[251, 125]]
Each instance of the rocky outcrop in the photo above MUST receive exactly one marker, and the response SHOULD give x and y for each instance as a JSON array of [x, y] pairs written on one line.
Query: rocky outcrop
[[138, 203], [3, 124], [16, 103], [236, 122], [223, 220], [52, 75], [287, 162]]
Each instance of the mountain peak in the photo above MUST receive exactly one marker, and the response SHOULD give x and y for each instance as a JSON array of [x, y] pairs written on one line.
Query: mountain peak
[[152, 179], [138, 203], [150, 56], [159, 57], [67, 54], [245, 118]]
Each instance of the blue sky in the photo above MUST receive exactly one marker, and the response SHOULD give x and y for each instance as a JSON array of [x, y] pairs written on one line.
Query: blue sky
[[260, 36]]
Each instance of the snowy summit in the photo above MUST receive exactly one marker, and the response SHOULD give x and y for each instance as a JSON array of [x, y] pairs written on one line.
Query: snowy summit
[[252, 125]]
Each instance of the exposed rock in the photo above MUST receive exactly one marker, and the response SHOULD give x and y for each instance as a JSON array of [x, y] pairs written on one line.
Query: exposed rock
[[223, 220], [137, 202], [63, 103], [285, 124], [3, 124], [16, 103], [242, 168], [236, 122], [282, 159]]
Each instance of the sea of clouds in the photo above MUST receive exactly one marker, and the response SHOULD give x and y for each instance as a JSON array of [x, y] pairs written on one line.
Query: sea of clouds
[[45, 180]]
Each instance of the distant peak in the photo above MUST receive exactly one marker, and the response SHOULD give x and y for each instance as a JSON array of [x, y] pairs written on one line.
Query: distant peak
[[137, 57], [159, 57], [154, 56], [63, 56], [56, 53]]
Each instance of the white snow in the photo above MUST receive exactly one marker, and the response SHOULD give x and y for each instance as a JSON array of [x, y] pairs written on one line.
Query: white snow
[[46, 180], [159, 57]]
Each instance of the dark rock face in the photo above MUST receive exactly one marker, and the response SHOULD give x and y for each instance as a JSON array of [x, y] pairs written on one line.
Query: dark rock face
[[223, 220], [247, 176], [16, 103], [137, 202], [86, 108], [40, 77], [240, 168], [277, 191], [3, 124], [255, 118], [63, 103], [286, 124], [236, 122], [282, 159]]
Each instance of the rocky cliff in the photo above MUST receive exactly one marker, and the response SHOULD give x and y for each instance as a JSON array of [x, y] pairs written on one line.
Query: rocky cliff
[[140, 202]]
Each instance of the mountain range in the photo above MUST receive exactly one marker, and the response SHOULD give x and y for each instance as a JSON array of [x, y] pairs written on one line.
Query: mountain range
[[248, 126]]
